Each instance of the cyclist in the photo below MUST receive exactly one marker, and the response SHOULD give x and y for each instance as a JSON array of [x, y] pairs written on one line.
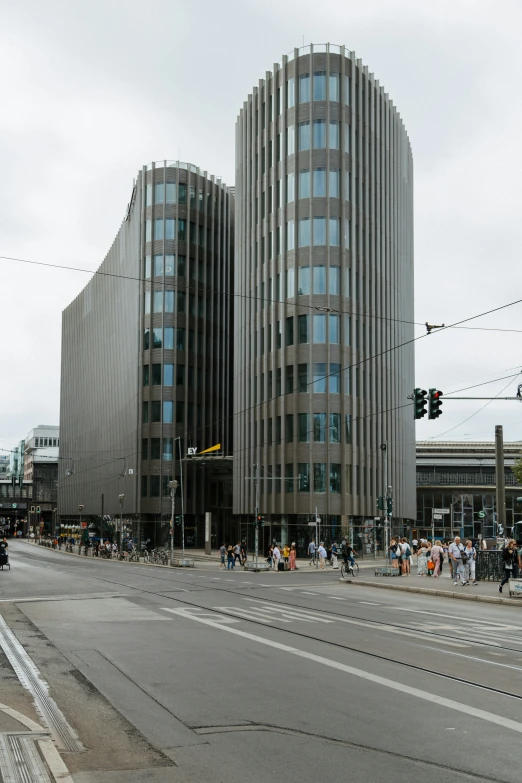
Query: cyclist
[[348, 552]]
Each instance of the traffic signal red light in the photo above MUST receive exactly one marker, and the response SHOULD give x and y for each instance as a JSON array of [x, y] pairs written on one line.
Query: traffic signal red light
[[435, 404]]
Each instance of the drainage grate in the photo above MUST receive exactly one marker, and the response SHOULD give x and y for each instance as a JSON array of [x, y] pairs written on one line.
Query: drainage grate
[[20, 761], [62, 733]]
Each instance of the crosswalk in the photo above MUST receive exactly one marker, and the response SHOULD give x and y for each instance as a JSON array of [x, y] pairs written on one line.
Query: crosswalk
[[271, 613]]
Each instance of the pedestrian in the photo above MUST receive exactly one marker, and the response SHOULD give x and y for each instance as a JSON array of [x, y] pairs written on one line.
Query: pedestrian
[[293, 556], [243, 551], [231, 561], [311, 551], [415, 545], [348, 553], [455, 553], [422, 560], [329, 555], [509, 559], [469, 556], [322, 555], [276, 557], [406, 554], [237, 553], [437, 557], [270, 555], [286, 553], [222, 555], [395, 554], [335, 553]]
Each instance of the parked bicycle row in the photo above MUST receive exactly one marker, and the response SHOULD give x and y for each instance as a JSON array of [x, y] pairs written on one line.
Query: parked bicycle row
[[108, 550]]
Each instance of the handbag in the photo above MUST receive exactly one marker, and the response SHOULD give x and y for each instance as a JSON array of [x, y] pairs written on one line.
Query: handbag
[[431, 565]]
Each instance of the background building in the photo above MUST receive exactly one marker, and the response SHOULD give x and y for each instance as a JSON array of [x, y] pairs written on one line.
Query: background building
[[146, 358], [324, 266], [461, 477], [40, 467]]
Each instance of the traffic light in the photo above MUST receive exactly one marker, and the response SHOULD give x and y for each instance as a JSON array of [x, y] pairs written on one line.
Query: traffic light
[[419, 403], [435, 404], [380, 503], [389, 506], [259, 519]]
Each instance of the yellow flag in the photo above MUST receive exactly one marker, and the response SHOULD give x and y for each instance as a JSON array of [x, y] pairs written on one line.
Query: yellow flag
[[212, 448]]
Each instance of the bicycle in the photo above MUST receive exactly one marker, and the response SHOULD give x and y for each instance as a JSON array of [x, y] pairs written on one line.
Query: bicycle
[[347, 569]]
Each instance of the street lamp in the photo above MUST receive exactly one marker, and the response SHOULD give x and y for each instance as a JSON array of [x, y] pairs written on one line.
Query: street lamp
[[121, 498], [173, 487]]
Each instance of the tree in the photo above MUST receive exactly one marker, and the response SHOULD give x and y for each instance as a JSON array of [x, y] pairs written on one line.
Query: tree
[[517, 470]]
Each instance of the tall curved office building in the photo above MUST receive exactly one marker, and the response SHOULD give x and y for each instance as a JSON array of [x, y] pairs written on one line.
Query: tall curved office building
[[146, 359], [324, 273]]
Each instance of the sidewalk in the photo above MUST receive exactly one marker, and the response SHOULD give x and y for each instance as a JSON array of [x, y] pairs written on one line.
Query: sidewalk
[[485, 591]]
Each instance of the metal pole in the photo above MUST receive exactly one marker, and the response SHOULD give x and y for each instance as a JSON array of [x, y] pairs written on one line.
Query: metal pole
[[172, 497], [501, 481], [182, 503], [101, 524], [316, 538], [256, 486], [385, 498]]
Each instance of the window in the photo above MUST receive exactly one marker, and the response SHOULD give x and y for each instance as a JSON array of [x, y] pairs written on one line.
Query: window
[[304, 232], [148, 195], [167, 449], [155, 408], [144, 449], [303, 329], [144, 486], [278, 476], [319, 384], [158, 192], [146, 343], [180, 338], [333, 232], [319, 231], [290, 282], [348, 427], [304, 136], [347, 90], [335, 477], [180, 374], [289, 427], [319, 477], [319, 427], [146, 303], [334, 136], [334, 280], [157, 302], [181, 302], [319, 134], [289, 379], [147, 267], [171, 193], [159, 228], [289, 477], [290, 242], [347, 147], [290, 330], [290, 93], [290, 140], [304, 184], [320, 182], [168, 374], [145, 374], [158, 266], [319, 279], [148, 230], [278, 334], [278, 430], [303, 427], [145, 413], [156, 374], [154, 486], [303, 286], [170, 230], [180, 266], [320, 86], [169, 301], [335, 378], [334, 86], [334, 428], [182, 193], [302, 377], [303, 471], [182, 230], [168, 338], [333, 183], [290, 188], [334, 329], [168, 411], [180, 412], [347, 381], [157, 337], [304, 88], [319, 335]]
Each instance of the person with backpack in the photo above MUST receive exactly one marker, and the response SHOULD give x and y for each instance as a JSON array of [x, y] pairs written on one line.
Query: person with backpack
[[395, 554], [469, 556], [509, 560], [335, 552], [406, 554]]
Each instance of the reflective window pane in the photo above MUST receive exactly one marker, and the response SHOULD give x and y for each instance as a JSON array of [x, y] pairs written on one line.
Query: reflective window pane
[[290, 93], [167, 449], [334, 282], [180, 338], [159, 192], [154, 486], [155, 413], [182, 230], [168, 338], [304, 232], [335, 378], [157, 306], [145, 413], [320, 328], [304, 136], [170, 231], [148, 195], [157, 334], [171, 193], [319, 279], [182, 192], [334, 86], [319, 134], [333, 183], [304, 184], [320, 86], [290, 283], [148, 230], [154, 448], [168, 374], [319, 477], [334, 328], [303, 471], [147, 267], [333, 232], [168, 411], [319, 427], [303, 427], [334, 136], [290, 188], [319, 378], [158, 228], [334, 428], [347, 90], [156, 374], [319, 231], [170, 265], [304, 280], [290, 330], [169, 301], [146, 341], [146, 302], [319, 182], [145, 374], [158, 266], [290, 240], [304, 88], [303, 329], [290, 140], [335, 477]]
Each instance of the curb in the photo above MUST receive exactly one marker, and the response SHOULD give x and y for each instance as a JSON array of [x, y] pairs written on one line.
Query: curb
[[513, 602]]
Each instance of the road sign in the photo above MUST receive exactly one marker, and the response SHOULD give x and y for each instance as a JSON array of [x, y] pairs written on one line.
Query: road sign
[[437, 516], [441, 511], [15, 505], [481, 514]]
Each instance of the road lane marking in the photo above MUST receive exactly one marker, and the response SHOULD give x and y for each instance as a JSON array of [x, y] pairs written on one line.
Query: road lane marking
[[475, 620], [368, 603], [424, 695]]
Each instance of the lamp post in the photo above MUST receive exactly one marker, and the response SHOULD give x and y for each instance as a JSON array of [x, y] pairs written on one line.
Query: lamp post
[[121, 498], [182, 506], [80, 509], [173, 487]]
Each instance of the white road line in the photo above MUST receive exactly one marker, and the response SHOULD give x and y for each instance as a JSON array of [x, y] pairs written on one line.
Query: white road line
[[82, 597], [303, 592], [368, 603], [244, 613], [425, 695], [475, 658], [291, 611], [435, 614]]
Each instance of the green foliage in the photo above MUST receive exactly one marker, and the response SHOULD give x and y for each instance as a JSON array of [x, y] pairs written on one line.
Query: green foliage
[[517, 470]]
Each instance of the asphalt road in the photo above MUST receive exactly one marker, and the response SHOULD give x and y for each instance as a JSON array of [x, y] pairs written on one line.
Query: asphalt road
[[191, 675]]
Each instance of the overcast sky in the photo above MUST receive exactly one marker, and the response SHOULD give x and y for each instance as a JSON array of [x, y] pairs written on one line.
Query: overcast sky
[[90, 91]]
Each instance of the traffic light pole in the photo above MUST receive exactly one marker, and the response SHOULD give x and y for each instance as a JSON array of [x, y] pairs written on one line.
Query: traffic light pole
[[256, 512]]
